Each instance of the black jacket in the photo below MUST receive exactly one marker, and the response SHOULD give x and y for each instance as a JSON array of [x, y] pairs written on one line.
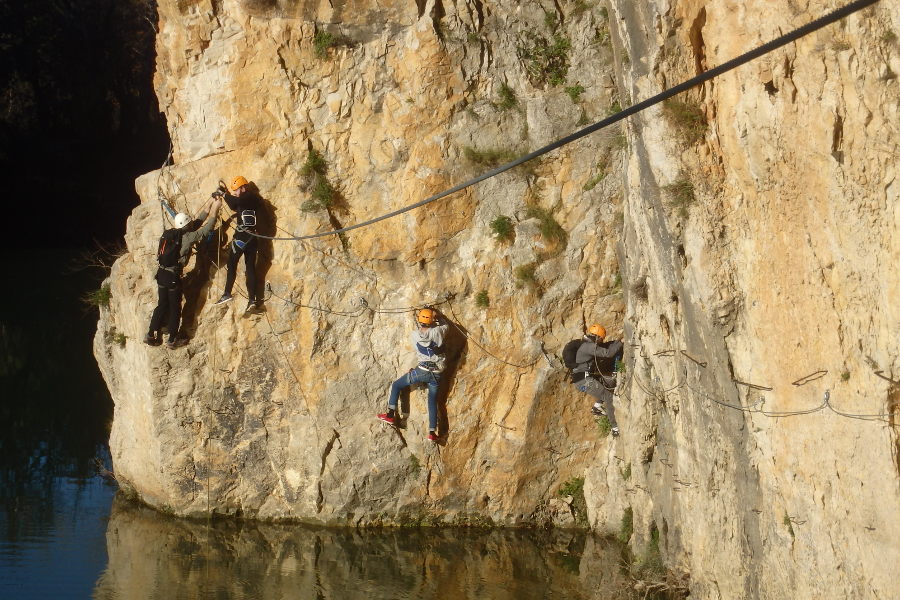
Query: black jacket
[[246, 209], [596, 359]]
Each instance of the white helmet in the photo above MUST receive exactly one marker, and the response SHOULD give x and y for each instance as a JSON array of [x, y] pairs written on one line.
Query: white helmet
[[181, 220]]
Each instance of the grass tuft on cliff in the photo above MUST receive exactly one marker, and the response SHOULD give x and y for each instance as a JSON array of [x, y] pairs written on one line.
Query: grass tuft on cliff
[[626, 526], [507, 98], [99, 298], [687, 118], [503, 229], [323, 41], [681, 195]]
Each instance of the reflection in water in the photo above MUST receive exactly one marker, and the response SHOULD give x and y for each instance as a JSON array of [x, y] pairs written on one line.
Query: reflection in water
[[155, 556], [54, 414]]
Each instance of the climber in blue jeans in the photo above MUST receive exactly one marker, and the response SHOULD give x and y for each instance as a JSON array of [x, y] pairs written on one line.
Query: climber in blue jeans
[[427, 339]]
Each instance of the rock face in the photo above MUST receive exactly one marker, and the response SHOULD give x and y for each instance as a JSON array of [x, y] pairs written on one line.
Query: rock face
[[779, 272], [755, 224], [273, 416]]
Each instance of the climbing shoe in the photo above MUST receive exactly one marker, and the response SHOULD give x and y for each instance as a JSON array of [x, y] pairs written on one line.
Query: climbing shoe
[[615, 432], [254, 308], [598, 411], [432, 436], [387, 419], [176, 343], [225, 298], [152, 340]]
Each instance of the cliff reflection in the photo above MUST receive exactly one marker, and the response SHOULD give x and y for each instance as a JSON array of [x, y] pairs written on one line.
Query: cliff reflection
[[154, 556]]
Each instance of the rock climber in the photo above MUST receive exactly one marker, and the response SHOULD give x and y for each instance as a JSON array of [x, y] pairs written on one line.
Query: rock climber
[[594, 373], [175, 246], [246, 204], [427, 340]]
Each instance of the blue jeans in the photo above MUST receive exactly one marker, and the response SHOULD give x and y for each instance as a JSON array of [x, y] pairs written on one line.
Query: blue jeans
[[418, 375]]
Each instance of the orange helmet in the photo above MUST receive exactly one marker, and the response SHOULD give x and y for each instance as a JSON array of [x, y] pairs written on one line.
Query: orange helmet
[[426, 316], [598, 330], [237, 182]]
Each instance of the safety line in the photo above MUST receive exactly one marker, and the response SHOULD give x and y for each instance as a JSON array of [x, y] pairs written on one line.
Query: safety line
[[783, 40]]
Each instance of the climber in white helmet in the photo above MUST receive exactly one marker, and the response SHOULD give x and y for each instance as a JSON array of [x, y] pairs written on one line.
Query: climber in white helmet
[[175, 246]]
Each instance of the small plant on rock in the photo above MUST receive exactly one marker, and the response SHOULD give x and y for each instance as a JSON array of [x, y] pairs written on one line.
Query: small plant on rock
[[626, 526], [323, 41], [545, 61], [482, 300], [603, 425], [687, 118], [525, 275], [503, 228], [99, 297], [489, 157], [507, 97], [575, 92], [550, 229], [315, 163], [681, 195]]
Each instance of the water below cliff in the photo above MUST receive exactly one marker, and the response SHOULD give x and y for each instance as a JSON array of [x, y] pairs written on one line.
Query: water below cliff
[[64, 533]]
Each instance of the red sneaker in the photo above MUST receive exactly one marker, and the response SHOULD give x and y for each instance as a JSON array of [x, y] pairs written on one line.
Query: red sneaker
[[432, 436], [384, 417]]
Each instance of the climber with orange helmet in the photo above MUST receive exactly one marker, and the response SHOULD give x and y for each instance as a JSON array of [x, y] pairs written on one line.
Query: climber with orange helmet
[[173, 253], [427, 341], [594, 372], [246, 204]]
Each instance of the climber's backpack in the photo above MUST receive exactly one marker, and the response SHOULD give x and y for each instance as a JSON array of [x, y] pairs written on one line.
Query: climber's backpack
[[169, 248], [570, 351]]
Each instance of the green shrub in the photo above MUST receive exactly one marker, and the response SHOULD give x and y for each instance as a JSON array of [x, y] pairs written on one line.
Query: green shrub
[[603, 425], [120, 338], [507, 97], [323, 193], [574, 92], [572, 487], [686, 118], [315, 163], [548, 226], [488, 158], [615, 107], [503, 228], [575, 488], [544, 61], [99, 297], [323, 41], [482, 300], [681, 195], [626, 528], [525, 274], [649, 564], [601, 174]]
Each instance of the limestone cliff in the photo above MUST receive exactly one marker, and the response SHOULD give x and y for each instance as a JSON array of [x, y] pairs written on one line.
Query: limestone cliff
[[755, 223]]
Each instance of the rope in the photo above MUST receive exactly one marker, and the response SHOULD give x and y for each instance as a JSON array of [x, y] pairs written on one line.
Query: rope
[[766, 48], [757, 407], [481, 347]]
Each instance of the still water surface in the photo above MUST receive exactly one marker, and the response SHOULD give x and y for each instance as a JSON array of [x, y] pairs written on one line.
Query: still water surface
[[64, 533]]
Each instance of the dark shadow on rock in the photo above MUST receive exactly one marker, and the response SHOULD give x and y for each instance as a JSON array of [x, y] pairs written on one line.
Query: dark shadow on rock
[[455, 345], [210, 255], [266, 225]]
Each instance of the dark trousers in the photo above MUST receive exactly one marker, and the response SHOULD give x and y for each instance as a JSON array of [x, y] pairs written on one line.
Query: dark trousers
[[247, 249], [168, 309]]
